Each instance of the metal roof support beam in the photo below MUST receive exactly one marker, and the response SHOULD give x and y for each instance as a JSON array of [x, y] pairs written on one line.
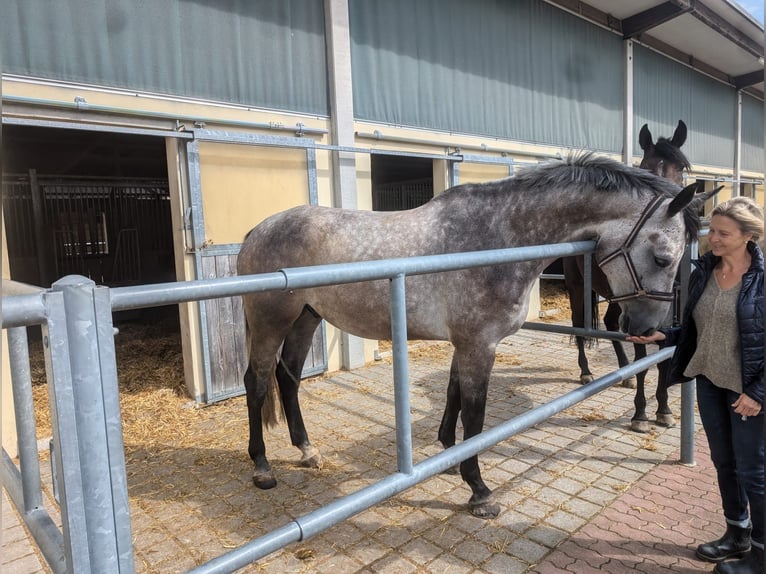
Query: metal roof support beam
[[590, 13], [749, 79], [648, 19]]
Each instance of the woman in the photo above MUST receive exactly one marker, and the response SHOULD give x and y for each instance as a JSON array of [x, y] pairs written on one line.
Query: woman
[[720, 343]]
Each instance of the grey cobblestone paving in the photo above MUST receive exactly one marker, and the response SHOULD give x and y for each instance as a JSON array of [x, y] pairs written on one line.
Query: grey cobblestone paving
[[579, 493]]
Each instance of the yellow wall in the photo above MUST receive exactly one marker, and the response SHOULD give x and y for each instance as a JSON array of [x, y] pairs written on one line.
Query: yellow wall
[[478, 172], [8, 429], [244, 184]]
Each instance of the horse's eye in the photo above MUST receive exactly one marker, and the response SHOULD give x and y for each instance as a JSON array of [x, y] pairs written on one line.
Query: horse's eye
[[661, 261]]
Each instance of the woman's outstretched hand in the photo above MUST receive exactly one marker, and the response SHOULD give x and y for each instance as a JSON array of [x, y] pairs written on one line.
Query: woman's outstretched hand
[[655, 337]]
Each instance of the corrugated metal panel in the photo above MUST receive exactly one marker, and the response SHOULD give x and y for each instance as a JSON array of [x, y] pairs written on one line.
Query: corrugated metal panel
[[752, 133], [269, 53], [521, 70], [666, 91]]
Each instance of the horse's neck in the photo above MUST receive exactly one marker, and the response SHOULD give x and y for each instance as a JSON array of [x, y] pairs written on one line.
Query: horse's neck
[[568, 216]]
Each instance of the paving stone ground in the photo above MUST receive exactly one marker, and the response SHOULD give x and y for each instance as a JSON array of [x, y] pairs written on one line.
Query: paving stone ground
[[578, 493]]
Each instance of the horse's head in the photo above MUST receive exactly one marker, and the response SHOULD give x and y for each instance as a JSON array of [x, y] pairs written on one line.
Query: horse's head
[[640, 256], [665, 157]]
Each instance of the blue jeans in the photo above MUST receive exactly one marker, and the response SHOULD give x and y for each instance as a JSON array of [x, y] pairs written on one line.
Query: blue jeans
[[737, 452]]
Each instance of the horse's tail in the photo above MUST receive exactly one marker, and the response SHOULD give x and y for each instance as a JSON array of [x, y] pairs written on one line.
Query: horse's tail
[[271, 414], [594, 321]]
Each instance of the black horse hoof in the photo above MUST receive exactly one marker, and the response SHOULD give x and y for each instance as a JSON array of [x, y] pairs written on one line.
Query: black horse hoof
[[487, 510], [666, 421], [484, 507], [639, 426], [264, 480]]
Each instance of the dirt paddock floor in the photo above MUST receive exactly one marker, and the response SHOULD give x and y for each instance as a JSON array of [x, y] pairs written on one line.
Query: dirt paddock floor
[[192, 496]]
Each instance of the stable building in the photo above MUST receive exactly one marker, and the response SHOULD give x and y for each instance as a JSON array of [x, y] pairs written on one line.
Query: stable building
[[142, 141]]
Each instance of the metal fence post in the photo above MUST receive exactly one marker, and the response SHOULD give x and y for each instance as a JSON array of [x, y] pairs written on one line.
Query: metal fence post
[[401, 375], [94, 450]]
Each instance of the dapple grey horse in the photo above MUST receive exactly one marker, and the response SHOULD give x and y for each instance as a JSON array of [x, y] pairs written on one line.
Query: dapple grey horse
[[641, 223]]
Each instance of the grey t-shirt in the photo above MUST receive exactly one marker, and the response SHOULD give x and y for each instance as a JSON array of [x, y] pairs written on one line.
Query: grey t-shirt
[[717, 354]]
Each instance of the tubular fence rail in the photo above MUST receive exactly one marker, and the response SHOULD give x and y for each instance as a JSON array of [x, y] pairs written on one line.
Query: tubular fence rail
[[87, 454]]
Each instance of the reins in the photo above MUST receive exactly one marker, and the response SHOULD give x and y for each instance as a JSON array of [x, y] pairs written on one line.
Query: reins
[[640, 292]]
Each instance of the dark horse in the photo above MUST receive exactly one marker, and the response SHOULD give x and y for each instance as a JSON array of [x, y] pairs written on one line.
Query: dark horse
[[665, 159], [627, 210]]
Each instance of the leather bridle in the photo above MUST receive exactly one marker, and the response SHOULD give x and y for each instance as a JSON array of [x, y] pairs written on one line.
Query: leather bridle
[[640, 292]]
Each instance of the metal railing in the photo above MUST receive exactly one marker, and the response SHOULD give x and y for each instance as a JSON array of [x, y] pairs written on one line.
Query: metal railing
[[88, 458]]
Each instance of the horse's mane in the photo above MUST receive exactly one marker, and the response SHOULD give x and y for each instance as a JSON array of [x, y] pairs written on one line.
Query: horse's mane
[[586, 171], [670, 153]]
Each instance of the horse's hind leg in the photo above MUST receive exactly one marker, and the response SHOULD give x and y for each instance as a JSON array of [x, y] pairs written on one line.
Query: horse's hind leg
[[264, 340], [294, 351], [448, 425], [256, 388], [474, 366], [612, 323]]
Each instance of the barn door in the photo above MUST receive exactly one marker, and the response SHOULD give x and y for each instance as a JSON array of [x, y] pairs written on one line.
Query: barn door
[[236, 180]]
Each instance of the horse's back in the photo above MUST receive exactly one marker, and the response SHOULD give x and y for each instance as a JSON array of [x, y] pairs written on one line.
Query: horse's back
[[314, 235]]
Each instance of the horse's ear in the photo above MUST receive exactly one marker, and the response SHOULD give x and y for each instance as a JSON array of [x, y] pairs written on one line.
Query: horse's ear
[[645, 137], [679, 136], [683, 199], [701, 198]]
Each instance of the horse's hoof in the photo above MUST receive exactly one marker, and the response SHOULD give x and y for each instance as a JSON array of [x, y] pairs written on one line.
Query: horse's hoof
[[484, 508], [639, 426], [629, 383], [311, 458], [264, 479], [585, 379], [666, 420]]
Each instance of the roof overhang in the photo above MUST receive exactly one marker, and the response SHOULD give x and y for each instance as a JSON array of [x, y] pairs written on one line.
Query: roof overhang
[[716, 37]]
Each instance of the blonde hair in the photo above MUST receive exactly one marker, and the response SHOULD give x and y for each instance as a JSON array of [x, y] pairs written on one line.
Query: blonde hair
[[745, 212]]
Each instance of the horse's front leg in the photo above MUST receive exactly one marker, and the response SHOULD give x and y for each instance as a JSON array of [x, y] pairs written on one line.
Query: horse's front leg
[[640, 422], [612, 323], [582, 361], [474, 367], [256, 389], [665, 416], [448, 426]]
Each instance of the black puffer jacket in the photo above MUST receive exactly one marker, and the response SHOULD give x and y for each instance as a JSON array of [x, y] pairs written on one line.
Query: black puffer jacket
[[749, 320]]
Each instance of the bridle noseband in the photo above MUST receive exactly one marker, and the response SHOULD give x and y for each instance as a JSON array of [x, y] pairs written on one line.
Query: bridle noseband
[[640, 292]]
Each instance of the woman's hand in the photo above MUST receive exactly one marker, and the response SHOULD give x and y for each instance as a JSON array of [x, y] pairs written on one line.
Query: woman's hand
[[655, 337], [746, 406]]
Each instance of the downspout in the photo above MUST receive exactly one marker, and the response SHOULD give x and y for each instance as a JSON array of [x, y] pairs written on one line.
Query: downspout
[[737, 148], [627, 118]]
